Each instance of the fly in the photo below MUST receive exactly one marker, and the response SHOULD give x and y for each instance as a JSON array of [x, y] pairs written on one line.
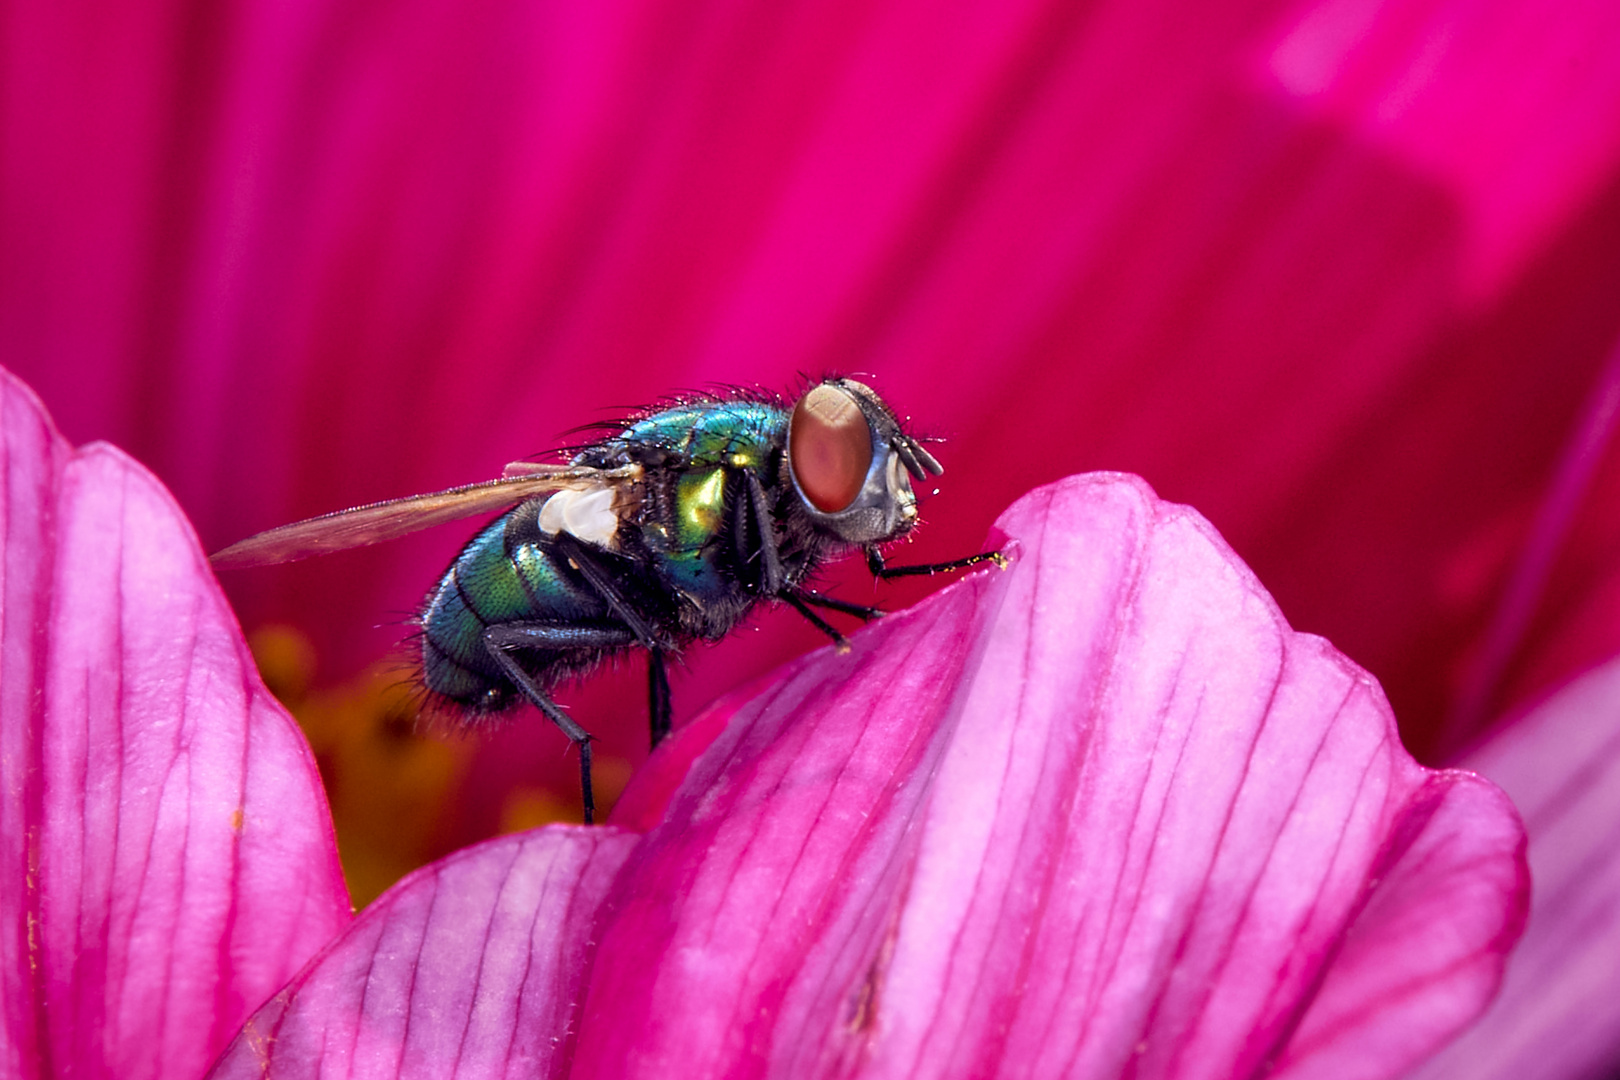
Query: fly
[[666, 533]]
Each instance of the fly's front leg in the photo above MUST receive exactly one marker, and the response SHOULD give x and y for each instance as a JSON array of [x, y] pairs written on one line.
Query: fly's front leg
[[875, 563], [505, 639], [752, 516]]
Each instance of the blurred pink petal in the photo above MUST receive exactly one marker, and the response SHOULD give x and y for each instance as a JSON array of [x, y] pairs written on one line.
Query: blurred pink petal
[[1101, 813], [471, 967], [1526, 593], [1558, 1014], [168, 855]]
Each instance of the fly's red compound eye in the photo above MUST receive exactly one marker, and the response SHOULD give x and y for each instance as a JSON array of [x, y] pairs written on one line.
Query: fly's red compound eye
[[829, 448]]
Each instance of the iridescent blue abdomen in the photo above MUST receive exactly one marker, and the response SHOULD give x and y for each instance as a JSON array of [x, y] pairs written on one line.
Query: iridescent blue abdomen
[[506, 574]]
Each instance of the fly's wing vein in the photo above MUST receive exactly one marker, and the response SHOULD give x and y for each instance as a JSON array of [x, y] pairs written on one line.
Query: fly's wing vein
[[375, 522]]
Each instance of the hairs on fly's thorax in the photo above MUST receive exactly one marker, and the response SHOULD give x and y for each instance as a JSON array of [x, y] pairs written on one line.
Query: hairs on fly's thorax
[[621, 418]]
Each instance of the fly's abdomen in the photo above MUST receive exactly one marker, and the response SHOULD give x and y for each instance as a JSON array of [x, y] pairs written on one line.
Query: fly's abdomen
[[506, 574]]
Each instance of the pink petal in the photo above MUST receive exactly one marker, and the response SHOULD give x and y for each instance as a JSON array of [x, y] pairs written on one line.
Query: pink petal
[[1559, 1011], [1426, 953], [169, 857], [1101, 814], [472, 967]]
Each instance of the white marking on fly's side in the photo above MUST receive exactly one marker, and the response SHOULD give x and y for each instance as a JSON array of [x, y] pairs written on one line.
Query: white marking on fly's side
[[586, 514]]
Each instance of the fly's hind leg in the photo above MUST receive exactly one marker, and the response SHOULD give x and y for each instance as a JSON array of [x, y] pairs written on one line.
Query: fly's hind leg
[[503, 640]]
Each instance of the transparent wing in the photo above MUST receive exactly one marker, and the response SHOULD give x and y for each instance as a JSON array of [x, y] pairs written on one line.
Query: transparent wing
[[379, 521]]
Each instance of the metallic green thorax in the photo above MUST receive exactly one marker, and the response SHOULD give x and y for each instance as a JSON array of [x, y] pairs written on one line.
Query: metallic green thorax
[[511, 572], [681, 527]]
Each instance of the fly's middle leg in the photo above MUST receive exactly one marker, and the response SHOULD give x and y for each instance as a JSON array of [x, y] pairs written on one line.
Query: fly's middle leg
[[640, 627]]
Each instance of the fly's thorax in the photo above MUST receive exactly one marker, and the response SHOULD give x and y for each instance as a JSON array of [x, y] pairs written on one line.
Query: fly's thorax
[[700, 507], [701, 434], [851, 465], [683, 527], [682, 510], [695, 457]]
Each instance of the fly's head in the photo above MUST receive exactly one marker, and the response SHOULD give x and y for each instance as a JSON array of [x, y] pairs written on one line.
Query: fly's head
[[851, 465]]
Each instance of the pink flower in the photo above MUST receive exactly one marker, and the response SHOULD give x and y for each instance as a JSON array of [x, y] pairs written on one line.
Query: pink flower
[[1557, 1013], [1102, 811], [1338, 274]]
